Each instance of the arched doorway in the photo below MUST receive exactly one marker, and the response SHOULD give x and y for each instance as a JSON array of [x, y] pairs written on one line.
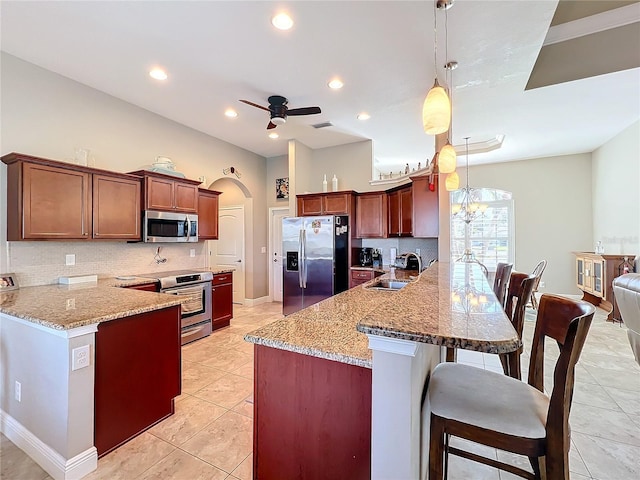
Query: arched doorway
[[231, 249]]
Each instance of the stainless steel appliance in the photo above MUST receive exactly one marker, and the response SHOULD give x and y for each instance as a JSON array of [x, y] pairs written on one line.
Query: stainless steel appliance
[[195, 288], [408, 261], [316, 260], [366, 257], [169, 227]]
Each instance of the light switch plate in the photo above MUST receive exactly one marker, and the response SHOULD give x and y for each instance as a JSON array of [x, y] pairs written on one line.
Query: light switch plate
[[70, 259]]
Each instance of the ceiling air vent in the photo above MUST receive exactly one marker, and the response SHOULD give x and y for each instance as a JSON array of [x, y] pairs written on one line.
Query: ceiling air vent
[[322, 125]]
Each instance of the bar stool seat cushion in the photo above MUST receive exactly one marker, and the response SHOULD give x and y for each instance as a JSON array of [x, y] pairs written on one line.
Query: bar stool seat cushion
[[488, 400]]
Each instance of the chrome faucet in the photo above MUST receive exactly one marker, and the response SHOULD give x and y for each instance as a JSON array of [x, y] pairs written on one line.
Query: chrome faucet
[[418, 258]]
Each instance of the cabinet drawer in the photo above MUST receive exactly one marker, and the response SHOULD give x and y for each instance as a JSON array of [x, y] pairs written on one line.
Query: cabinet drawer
[[362, 275], [222, 278]]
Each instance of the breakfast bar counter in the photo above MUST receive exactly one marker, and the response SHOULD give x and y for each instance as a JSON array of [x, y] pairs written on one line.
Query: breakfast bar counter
[[339, 386]]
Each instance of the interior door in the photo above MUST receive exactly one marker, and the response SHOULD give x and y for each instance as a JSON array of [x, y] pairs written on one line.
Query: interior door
[[229, 251], [275, 286]]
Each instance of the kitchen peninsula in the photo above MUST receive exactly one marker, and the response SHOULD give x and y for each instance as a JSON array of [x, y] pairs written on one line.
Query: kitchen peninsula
[[75, 358], [339, 386]]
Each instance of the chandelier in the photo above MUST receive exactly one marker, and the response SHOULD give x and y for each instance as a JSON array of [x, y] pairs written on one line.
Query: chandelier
[[470, 206], [469, 292]]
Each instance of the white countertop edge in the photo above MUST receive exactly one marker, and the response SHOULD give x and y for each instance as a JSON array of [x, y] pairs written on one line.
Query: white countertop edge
[[70, 333], [392, 345]]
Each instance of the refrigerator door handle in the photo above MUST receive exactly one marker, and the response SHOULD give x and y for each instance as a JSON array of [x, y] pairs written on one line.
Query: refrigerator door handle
[[304, 259], [300, 257]]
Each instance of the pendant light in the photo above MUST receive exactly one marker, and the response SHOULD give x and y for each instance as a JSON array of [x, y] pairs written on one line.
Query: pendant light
[[436, 111], [452, 182]]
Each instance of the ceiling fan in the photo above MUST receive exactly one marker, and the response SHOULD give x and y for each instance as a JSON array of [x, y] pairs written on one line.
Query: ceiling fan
[[279, 110]]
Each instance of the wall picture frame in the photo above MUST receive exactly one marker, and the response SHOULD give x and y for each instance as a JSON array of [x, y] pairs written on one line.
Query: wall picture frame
[[8, 281], [282, 187]]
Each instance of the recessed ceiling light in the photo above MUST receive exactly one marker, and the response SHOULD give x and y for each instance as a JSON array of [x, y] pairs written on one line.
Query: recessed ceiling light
[[273, 135], [282, 21], [231, 113], [364, 116], [158, 74], [335, 84]]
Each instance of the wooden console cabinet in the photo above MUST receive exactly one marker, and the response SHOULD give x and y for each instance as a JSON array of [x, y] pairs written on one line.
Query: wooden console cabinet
[[222, 300], [50, 200], [594, 276]]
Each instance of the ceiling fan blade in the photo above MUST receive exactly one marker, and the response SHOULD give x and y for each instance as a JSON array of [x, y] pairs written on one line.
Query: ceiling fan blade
[[304, 111], [271, 125], [255, 105]]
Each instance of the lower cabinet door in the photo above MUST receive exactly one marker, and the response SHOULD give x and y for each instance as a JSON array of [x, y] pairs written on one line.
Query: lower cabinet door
[[222, 300]]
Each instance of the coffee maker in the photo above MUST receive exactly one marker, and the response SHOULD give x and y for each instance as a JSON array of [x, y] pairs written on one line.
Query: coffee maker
[[366, 257]]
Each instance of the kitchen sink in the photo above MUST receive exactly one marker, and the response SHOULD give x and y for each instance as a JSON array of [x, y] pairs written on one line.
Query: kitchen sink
[[386, 284]]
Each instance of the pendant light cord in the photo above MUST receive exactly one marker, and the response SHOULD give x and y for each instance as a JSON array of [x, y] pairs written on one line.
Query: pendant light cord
[[435, 40]]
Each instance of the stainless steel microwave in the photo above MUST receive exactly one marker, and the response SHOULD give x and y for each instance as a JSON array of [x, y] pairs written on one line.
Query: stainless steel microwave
[[169, 227]]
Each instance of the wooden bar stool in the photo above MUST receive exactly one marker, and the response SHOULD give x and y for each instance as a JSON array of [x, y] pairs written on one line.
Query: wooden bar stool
[[501, 280], [537, 271], [520, 290], [501, 412]]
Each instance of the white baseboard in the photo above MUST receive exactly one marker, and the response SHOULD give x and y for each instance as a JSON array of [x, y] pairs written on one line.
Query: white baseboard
[[252, 302], [45, 456]]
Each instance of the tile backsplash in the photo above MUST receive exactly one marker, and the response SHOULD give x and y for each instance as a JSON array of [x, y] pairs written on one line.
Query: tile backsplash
[[428, 247], [41, 263]]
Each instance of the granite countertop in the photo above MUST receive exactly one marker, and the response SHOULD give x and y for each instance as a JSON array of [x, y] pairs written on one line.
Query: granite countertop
[[434, 308], [63, 307]]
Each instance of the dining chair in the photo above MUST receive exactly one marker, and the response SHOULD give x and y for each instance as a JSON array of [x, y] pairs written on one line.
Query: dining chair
[[537, 271], [518, 295], [504, 413], [501, 280]]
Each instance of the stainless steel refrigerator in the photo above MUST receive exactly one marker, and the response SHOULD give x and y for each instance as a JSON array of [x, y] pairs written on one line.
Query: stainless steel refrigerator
[[316, 251]]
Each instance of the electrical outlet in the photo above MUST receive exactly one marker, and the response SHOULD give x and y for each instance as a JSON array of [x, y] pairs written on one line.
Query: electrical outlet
[[192, 252], [80, 357], [418, 251], [71, 303], [541, 284], [70, 259], [18, 391], [263, 250]]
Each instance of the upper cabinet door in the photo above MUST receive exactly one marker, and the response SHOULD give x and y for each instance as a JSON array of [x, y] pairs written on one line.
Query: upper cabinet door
[[116, 207], [56, 203], [371, 215], [208, 215], [336, 204], [406, 212], [309, 205], [394, 213], [426, 217], [159, 194], [185, 197]]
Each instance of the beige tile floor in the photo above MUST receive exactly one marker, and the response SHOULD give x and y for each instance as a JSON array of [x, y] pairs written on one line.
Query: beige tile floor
[[210, 435]]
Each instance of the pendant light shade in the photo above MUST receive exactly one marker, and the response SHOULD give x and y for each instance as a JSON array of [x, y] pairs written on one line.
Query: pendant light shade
[[447, 159], [436, 111], [452, 182]]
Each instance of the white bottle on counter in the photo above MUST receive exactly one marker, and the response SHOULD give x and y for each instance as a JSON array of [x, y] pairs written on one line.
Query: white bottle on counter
[[324, 184], [334, 183]]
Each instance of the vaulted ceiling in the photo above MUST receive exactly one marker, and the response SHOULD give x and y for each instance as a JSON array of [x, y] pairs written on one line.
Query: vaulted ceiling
[[547, 95]]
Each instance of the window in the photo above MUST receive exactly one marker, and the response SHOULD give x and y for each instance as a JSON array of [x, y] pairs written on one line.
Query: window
[[490, 235]]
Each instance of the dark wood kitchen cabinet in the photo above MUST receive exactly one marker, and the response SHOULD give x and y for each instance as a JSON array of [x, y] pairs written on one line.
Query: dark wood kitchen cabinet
[[426, 220], [400, 204], [116, 207], [167, 193], [360, 276], [207, 214], [136, 380], [146, 287], [371, 215], [50, 200], [333, 203], [222, 299]]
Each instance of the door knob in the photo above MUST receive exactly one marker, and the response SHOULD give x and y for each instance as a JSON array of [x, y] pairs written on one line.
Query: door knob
[[238, 261], [275, 260]]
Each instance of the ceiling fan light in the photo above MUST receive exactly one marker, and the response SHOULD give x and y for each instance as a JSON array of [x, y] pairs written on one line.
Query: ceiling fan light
[[436, 111], [278, 120], [447, 159], [452, 182]]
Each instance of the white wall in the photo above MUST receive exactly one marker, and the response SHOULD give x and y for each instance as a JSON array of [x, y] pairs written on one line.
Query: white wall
[[553, 217], [47, 115], [351, 163], [616, 193]]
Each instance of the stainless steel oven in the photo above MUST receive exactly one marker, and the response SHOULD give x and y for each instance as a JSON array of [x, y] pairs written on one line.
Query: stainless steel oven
[[194, 288]]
